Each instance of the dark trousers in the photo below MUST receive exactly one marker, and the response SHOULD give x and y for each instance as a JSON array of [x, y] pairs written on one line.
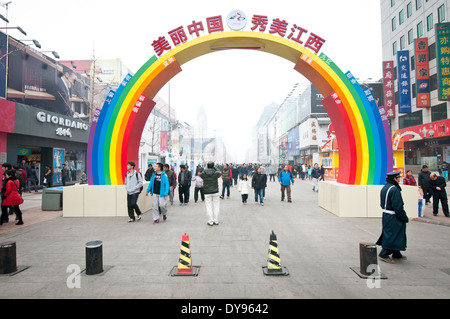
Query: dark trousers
[[132, 205], [183, 193], [244, 198], [426, 193], [199, 189], [5, 213], [440, 196]]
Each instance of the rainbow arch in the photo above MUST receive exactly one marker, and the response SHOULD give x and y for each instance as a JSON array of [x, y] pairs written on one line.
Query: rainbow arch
[[365, 146]]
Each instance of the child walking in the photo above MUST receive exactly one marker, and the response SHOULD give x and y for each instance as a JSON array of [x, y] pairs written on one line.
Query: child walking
[[244, 188]]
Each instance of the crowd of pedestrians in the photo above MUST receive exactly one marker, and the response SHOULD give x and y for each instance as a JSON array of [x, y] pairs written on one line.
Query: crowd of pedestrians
[[212, 184]]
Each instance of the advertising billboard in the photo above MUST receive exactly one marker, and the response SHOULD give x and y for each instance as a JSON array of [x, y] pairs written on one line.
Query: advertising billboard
[[37, 80], [443, 60], [422, 73], [404, 82]]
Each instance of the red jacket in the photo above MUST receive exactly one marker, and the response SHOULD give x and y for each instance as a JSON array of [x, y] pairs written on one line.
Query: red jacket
[[409, 181], [12, 196]]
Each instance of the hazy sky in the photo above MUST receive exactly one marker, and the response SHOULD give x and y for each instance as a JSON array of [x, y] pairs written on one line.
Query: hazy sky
[[233, 86]]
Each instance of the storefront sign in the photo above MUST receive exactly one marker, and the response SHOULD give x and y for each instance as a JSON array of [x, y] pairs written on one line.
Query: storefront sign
[[425, 131], [389, 96], [443, 60], [422, 73], [58, 120], [236, 20], [294, 142], [404, 82]]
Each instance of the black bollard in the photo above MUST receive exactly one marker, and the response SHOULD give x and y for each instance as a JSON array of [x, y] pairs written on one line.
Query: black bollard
[[8, 262], [367, 257], [94, 257]]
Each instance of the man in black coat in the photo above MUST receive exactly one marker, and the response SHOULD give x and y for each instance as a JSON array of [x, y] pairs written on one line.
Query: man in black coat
[[437, 184], [424, 183]]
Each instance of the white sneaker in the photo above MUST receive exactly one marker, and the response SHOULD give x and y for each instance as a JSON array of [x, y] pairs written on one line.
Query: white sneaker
[[131, 220], [139, 217]]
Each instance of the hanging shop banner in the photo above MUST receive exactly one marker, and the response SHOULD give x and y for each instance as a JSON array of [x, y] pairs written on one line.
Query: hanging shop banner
[[443, 60], [389, 96], [294, 142], [404, 82], [422, 73]]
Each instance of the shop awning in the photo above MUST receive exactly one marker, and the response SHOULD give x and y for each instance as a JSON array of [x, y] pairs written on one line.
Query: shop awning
[[34, 95]]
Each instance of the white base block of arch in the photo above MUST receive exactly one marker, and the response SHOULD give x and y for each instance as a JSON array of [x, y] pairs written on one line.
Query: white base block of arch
[[361, 200], [100, 201]]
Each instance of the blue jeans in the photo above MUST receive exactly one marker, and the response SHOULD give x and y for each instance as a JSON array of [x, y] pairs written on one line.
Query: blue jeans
[[259, 192], [227, 186]]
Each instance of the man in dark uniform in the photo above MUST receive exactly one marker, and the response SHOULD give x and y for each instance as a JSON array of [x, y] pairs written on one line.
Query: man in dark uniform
[[393, 236], [437, 184]]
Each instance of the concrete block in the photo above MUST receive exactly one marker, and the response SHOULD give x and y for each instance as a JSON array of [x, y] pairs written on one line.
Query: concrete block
[[73, 199]]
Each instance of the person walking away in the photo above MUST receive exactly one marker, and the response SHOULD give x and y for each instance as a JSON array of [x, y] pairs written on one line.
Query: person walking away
[[244, 188], [409, 179], [438, 184], [315, 174], [444, 169], [264, 172], [210, 178], [184, 181], [286, 180], [309, 172], [172, 181], [64, 174], [198, 187], [48, 176], [11, 197], [259, 182], [32, 180], [322, 173], [149, 172], [235, 174], [159, 188], [394, 219], [226, 180], [133, 185], [424, 183]]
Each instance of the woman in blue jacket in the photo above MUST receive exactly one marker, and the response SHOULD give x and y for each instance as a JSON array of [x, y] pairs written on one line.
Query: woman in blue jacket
[[159, 187]]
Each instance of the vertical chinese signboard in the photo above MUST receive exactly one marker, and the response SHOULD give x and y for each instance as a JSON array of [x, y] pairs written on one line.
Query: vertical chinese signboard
[[443, 60], [404, 82], [422, 73], [389, 96]]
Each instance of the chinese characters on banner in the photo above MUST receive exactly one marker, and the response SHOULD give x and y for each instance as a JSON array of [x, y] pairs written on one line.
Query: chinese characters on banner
[[389, 96], [404, 82], [422, 73], [260, 23], [443, 60]]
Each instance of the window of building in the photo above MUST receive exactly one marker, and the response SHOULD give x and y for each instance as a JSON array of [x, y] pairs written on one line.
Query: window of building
[[439, 112], [409, 10], [433, 82], [441, 14], [401, 17], [410, 119], [418, 4], [413, 63], [420, 29], [410, 36], [402, 42], [394, 48], [432, 51], [392, 3], [430, 22], [394, 23]]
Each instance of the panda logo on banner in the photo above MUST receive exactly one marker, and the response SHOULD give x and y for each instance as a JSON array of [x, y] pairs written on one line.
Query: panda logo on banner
[[236, 20]]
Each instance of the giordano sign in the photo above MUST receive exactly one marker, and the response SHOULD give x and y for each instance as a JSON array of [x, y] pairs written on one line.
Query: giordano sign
[[37, 122], [66, 124]]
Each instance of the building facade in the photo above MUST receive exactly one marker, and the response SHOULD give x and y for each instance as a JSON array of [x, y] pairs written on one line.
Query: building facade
[[409, 29]]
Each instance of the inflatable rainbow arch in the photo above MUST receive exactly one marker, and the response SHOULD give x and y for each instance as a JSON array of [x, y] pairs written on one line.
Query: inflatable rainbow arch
[[365, 145]]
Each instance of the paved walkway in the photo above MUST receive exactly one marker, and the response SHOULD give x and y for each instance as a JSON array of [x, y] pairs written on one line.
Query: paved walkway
[[317, 247]]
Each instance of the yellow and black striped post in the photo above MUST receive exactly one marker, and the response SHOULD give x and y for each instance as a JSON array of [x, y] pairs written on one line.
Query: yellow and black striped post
[[273, 260], [185, 267], [185, 260]]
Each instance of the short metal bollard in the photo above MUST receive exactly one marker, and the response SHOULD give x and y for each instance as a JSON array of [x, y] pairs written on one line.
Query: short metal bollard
[[8, 263], [94, 257], [367, 257]]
